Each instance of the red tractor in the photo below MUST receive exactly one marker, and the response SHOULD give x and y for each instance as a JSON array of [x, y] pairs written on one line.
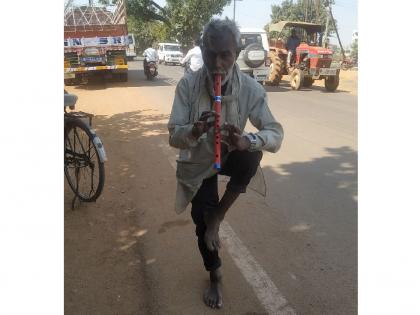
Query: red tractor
[[311, 62]]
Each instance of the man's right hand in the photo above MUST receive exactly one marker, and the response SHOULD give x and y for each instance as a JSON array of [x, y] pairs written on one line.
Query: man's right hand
[[202, 125]]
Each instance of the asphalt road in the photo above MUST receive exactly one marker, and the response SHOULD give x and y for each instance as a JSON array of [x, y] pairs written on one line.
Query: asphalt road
[[299, 243]]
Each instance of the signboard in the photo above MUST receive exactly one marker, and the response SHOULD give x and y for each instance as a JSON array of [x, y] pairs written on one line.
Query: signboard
[[96, 41]]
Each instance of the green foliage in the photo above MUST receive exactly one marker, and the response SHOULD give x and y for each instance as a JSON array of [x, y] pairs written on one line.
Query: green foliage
[[313, 11], [183, 19], [188, 17], [145, 10]]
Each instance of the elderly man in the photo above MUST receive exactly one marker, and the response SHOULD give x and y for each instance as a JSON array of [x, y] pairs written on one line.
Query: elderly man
[[191, 129]]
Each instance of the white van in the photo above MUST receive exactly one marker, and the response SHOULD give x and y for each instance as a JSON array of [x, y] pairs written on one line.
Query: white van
[[170, 53]]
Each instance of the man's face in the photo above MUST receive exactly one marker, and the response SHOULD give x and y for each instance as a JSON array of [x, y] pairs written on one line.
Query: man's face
[[219, 53]]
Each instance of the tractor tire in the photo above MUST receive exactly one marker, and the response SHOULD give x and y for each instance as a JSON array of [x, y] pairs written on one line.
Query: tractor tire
[[331, 83], [296, 79], [307, 82], [276, 67]]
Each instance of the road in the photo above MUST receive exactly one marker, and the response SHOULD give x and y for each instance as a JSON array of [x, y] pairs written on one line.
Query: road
[[294, 250]]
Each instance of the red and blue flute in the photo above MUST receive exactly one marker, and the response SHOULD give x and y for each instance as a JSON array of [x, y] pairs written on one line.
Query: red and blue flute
[[218, 109]]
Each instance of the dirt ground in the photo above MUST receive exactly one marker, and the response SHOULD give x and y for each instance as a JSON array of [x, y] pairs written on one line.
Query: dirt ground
[[348, 81], [104, 269]]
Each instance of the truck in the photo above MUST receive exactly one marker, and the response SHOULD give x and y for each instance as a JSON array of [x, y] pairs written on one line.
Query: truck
[[95, 41]]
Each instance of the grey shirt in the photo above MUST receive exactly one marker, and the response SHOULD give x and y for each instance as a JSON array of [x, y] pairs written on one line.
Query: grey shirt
[[245, 99]]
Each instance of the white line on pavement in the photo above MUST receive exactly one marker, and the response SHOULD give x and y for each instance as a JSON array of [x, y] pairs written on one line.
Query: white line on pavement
[[266, 291], [268, 294]]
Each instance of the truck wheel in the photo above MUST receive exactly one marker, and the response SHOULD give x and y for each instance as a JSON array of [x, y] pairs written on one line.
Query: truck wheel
[[275, 69], [123, 77], [296, 79], [68, 82], [331, 83], [307, 82]]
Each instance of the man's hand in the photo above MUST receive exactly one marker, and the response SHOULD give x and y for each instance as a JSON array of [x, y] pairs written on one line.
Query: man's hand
[[235, 137], [202, 125]]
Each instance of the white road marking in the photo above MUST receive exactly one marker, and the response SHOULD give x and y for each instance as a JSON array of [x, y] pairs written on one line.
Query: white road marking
[[266, 291], [268, 294]]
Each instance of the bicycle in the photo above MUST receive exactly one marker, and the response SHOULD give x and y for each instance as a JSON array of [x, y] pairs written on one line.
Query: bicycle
[[84, 154]]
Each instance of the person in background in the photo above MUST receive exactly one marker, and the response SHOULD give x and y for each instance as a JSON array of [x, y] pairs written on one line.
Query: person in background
[[150, 54], [292, 43], [193, 61]]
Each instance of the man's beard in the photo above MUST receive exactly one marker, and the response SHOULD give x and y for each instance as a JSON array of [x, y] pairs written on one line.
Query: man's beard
[[227, 77]]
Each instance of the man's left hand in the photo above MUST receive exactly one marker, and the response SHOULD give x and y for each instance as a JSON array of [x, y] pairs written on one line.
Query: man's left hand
[[235, 137]]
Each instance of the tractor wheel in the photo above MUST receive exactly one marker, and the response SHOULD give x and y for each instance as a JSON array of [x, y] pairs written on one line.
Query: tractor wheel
[[296, 79], [331, 83], [307, 82], [275, 69]]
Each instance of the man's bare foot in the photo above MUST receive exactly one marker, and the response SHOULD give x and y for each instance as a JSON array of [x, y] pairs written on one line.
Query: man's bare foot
[[213, 295]]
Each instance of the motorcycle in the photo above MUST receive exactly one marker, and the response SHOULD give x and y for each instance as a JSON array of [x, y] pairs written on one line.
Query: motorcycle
[[150, 70]]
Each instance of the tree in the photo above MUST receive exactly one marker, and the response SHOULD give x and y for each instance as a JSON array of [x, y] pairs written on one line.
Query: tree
[[183, 20], [312, 11], [355, 50], [188, 17]]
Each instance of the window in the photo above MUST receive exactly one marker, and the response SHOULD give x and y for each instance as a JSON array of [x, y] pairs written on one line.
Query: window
[[130, 39], [248, 39]]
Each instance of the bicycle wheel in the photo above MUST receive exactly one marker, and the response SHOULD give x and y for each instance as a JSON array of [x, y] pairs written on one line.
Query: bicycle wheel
[[84, 170]]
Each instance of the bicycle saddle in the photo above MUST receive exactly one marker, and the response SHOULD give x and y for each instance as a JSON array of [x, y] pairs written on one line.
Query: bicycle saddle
[[70, 100]]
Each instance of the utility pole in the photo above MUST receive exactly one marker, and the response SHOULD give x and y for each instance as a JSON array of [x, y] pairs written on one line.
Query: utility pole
[[234, 9], [325, 38], [338, 36]]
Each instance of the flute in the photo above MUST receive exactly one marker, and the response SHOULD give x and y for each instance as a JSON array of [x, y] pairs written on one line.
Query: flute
[[218, 109]]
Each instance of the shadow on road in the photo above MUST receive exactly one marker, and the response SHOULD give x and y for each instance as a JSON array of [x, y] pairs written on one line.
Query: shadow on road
[[104, 256], [315, 214], [136, 78]]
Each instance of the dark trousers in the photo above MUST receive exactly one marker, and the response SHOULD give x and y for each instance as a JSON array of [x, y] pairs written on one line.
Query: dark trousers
[[240, 166]]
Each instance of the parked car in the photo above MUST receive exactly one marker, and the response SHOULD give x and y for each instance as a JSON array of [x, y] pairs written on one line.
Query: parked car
[[253, 58], [170, 53]]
